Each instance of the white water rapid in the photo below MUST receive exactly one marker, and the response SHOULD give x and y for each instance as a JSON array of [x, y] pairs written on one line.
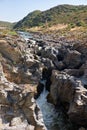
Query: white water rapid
[[51, 117]]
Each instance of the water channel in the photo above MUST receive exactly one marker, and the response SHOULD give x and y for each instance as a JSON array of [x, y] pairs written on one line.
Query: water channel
[[53, 119]]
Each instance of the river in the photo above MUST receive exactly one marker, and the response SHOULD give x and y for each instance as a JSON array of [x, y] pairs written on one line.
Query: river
[[53, 119]]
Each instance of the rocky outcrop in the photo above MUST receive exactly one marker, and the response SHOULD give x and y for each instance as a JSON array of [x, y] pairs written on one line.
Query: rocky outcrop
[[72, 59], [68, 80], [10, 51], [18, 108], [72, 94], [69, 87], [58, 64]]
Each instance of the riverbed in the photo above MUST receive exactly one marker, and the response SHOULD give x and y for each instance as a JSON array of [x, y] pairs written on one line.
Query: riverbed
[[53, 119]]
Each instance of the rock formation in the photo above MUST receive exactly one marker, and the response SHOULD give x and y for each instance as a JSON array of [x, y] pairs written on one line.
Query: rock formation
[[61, 63], [18, 109], [68, 81]]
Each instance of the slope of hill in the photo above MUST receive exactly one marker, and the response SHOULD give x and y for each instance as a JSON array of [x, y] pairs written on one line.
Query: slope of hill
[[28, 21], [62, 14], [4, 24]]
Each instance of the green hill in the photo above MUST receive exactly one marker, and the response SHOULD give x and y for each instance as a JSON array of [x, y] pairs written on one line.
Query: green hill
[[62, 14]]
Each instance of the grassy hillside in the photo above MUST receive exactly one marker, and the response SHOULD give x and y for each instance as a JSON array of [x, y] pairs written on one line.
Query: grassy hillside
[[62, 14], [28, 21], [4, 24]]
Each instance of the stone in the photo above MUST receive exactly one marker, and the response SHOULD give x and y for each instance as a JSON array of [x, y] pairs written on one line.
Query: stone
[[76, 99], [16, 121], [51, 53], [72, 59], [17, 103], [9, 51], [58, 64], [47, 62]]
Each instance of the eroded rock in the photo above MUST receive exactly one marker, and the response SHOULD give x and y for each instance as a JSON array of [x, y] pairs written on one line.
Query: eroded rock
[[70, 91], [18, 106]]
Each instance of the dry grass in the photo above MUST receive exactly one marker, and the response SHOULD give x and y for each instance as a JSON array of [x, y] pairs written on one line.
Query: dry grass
[[58, 27], [77, 33], [47, 28]]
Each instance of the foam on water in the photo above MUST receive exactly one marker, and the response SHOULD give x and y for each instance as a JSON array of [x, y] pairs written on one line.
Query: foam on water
[[48, 110], [53, 119]]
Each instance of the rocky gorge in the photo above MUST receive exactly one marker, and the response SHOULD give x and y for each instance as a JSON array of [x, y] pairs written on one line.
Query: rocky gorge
[[60, 62], [18, 109]]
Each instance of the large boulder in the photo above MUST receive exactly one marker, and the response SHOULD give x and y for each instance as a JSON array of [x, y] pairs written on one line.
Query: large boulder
[[72, 94], [72, 59], [80, 47], [51, 53]]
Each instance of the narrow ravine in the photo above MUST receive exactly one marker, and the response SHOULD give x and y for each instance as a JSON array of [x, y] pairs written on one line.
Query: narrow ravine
[[53, 119], [49, 113]]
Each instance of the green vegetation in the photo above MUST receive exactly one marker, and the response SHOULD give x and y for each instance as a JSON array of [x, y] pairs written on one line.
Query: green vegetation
[[28, 21], [11, 32], [4, 32], [6, 28], [62, 14]]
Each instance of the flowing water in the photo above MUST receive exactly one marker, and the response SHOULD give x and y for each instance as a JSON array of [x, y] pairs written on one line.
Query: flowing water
[[53, 119], [25, 35], [48, 111]]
